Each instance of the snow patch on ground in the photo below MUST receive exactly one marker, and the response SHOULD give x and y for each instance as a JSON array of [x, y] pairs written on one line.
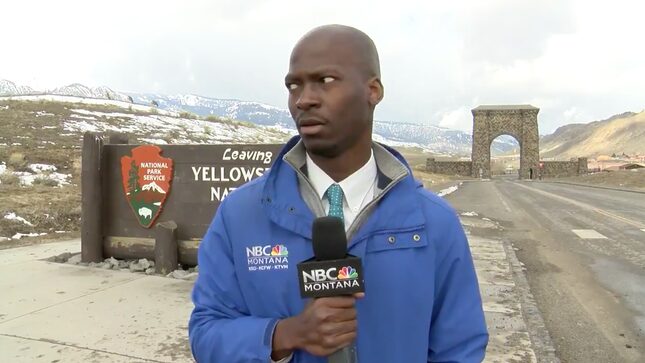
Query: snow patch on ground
[[20, 235], [152, 141], [61, 179], [183, 130], [82, 117], [444, 192], [284, 129], [13, 217], [39, 168], [39, 172], [43, 113], [469, 214]]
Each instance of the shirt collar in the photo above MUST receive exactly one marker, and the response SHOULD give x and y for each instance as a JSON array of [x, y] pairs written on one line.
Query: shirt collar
[[354, 186]]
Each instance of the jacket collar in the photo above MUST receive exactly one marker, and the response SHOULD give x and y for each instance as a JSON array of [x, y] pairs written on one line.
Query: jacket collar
[[286, 207], [390, 164]]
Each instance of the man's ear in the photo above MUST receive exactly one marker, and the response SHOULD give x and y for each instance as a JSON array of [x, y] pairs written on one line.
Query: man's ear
[[376, 91]]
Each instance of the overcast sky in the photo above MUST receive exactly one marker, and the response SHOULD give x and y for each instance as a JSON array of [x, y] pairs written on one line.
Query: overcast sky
[[578, 61]]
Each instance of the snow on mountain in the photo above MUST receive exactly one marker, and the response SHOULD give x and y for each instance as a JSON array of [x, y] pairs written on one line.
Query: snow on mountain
[[428, 137], [258, 113], [437, 139], [77, 89], [154, 187], [10, 88]]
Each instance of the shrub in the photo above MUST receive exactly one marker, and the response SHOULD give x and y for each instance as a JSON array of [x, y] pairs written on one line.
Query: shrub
[[185, 114], [17, 161], [213, 118], [8, 178], [46, 182]]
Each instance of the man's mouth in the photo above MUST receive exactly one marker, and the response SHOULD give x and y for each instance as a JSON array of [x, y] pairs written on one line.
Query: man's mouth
[[310, 126]]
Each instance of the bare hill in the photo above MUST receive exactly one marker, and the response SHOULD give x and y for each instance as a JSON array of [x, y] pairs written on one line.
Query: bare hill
[[40, 141], [624, 133]]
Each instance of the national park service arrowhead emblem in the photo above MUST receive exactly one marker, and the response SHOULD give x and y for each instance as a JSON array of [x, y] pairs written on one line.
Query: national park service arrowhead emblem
[[146, 180]]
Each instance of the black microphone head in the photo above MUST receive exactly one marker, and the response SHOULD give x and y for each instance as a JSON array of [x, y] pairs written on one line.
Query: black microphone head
[[329, 239]]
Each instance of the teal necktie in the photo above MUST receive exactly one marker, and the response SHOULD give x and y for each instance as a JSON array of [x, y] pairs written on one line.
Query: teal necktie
[[334, 195]]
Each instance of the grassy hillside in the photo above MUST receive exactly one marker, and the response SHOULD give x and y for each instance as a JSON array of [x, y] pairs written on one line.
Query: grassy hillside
[[40, 154], [623, 133]]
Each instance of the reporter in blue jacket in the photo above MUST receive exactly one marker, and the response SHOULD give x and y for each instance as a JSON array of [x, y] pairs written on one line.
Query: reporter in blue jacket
[[421, 301]]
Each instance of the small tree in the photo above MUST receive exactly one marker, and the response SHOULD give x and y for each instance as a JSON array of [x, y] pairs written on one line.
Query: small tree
[[133, 179]]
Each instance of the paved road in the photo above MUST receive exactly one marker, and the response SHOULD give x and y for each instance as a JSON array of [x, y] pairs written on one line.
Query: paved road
[[584, 251]]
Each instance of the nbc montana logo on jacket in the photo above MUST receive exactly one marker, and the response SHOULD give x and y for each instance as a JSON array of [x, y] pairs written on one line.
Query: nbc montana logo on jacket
[[331, 278], [268, 257]]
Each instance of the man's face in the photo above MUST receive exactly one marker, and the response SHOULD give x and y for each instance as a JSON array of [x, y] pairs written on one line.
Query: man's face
[[328, 98]]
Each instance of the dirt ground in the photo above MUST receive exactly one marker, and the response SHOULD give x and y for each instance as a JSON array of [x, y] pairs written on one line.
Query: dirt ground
[[52, 210], [628, 179]]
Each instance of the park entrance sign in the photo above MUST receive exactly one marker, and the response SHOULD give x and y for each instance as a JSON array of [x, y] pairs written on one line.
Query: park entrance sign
[[130, 193]]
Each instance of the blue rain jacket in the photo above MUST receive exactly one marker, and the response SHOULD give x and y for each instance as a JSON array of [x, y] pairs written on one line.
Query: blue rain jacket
[[421, 304]]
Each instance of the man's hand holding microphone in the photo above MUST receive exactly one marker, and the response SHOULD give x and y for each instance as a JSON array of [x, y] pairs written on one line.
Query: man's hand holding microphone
[[327, 325]]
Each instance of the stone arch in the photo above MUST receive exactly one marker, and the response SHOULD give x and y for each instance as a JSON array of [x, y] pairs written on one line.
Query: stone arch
[[519, 121]]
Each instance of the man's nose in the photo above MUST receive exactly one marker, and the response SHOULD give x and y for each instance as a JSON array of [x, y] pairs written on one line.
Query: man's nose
[[308, 98]]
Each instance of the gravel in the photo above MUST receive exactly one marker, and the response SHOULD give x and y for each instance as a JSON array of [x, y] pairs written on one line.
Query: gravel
[[142, 265]]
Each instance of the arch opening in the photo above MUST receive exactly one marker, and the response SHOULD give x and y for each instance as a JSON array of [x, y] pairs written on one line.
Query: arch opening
[[505, 156]]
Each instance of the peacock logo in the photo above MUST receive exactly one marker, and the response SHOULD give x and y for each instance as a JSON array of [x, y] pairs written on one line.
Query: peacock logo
[[279, 250], [347, 272]]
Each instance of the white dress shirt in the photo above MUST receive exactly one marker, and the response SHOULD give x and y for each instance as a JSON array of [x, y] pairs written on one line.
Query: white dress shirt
[[358, 190]]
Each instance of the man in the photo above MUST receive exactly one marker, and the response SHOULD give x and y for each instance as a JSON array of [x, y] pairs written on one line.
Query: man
[[421, 301]]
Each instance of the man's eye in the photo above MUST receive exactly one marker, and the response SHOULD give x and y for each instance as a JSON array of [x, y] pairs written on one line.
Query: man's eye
[[328, 79], [292, 86]]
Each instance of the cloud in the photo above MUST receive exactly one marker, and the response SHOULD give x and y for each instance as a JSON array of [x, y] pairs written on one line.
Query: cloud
[[439, 59], [460, 119], [504, 31]]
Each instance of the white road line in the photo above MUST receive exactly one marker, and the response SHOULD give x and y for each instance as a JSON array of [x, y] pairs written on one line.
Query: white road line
[[588, 234], [584, 206], [499, 195]]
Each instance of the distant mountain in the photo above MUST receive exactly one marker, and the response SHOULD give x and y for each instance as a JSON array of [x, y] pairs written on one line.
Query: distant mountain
[[438, 139], [8, 88], [431, 138], [80, 90], [258, 113], [623, 133]]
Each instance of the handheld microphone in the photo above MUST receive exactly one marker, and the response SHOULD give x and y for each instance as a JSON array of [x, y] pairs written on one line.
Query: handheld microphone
[[332, 272]]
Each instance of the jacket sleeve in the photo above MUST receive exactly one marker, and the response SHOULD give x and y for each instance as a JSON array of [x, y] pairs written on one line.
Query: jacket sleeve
[[458, 333], [221, 329]]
